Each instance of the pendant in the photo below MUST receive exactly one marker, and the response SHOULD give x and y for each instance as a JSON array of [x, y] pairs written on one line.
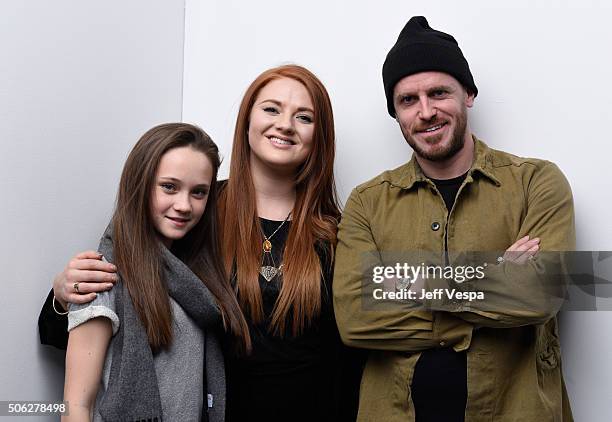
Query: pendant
[[267, 246], [268, 272]]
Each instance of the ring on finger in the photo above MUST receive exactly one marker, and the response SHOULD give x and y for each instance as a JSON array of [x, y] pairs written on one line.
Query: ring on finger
[[76, 287]]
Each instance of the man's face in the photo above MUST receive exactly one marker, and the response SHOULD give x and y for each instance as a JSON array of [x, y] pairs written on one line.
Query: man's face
[[431, 109]]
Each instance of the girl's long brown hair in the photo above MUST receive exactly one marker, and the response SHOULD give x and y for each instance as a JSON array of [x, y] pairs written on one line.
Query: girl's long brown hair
[[315, 214], [137, 252]]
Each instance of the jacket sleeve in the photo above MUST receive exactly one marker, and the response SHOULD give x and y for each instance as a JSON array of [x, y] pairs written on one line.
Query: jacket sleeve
[[397, 327], [532, 293], [52, 328]]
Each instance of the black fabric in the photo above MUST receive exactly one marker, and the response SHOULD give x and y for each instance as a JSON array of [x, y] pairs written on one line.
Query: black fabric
[[309, 377], [439, 383], [448, 188], [439, 386], [419, 48], [52, 328]]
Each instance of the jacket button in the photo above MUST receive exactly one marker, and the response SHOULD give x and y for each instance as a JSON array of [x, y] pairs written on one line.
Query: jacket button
[[435, 226]]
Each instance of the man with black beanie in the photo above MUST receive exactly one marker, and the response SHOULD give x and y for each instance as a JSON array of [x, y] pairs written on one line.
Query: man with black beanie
[[452, 360]]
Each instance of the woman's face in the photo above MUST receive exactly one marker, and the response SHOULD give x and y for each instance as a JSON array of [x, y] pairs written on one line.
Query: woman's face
[[281, 125], [180, 192]]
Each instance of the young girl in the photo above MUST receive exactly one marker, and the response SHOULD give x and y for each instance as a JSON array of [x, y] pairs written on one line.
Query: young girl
[[149, 348]]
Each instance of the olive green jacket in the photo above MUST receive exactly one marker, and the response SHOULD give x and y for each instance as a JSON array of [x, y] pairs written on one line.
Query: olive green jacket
[[513, 352]]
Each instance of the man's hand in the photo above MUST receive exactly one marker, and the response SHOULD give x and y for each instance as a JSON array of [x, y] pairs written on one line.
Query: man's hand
[[522, 250], [92, 275]]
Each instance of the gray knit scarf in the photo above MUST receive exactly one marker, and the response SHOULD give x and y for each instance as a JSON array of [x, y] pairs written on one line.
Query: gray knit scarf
[[133, 393]]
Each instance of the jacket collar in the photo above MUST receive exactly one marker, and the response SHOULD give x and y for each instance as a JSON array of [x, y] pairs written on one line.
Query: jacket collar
[[410, 173]]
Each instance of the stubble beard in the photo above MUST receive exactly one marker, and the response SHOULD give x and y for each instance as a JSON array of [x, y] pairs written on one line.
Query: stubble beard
[[455, 145]]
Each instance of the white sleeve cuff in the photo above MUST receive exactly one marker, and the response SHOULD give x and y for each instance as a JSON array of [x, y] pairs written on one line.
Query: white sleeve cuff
[[76, 318]]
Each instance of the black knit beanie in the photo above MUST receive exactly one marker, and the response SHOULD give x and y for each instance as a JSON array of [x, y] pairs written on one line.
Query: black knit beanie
[[419, 48]]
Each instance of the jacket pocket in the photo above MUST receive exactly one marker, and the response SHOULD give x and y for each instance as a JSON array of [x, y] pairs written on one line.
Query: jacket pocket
[[549, 347], [385, 387]]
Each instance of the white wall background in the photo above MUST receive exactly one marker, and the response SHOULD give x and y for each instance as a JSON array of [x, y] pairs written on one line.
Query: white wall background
[[543, 70], [80, 81]]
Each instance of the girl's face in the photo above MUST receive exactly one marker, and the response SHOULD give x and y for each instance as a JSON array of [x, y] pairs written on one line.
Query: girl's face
[[180, 192], [281, 125]]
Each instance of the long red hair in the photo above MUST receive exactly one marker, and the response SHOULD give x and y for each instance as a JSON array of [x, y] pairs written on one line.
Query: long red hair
[[314, 217]]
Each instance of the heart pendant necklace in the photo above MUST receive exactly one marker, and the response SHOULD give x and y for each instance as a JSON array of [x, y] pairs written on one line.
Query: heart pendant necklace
[[268, 269]]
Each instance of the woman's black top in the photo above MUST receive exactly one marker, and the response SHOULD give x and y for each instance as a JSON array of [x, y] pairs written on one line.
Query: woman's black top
[[308, 377]]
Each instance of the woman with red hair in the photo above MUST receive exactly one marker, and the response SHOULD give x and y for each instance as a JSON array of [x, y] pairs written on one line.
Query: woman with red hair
[[279, 214]]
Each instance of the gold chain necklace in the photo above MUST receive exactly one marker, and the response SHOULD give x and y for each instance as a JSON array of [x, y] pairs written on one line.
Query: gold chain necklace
[[270, 271]]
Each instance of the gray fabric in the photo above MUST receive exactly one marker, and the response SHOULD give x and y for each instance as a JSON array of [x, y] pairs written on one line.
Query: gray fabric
[[102, 306], [179, 369], [215, 378], [133, 390]]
